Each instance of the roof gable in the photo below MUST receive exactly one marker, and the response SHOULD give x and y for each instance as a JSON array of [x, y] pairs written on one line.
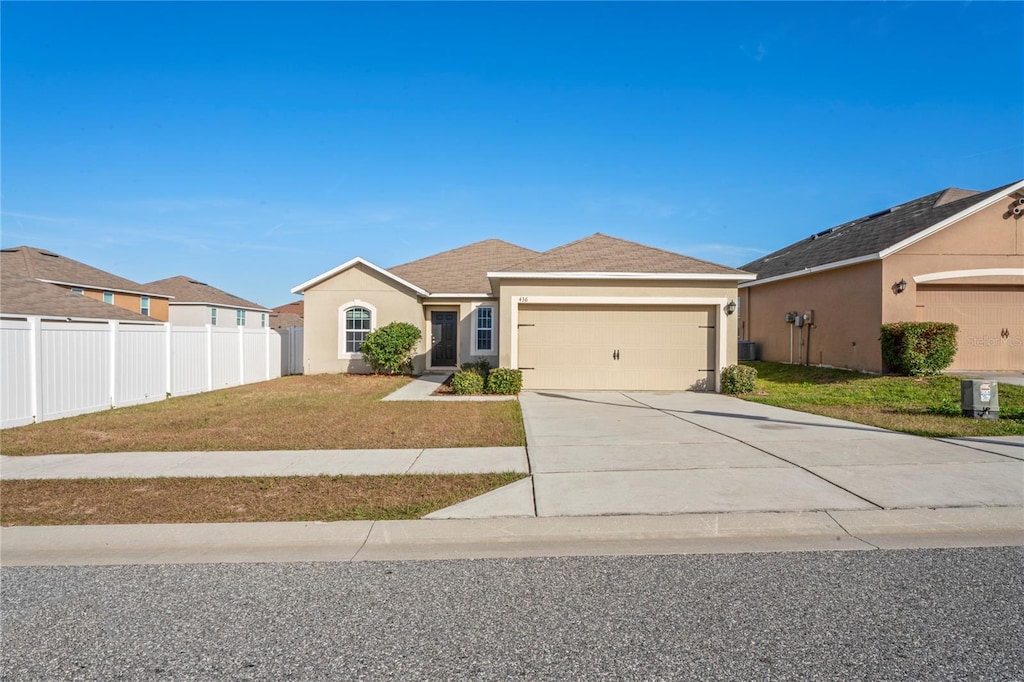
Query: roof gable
[[47, 266], [875, 235], [601, 253], [187, 290], [462, 270]]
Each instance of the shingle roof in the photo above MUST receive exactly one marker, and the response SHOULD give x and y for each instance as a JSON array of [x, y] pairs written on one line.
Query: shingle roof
[[20, 295], [187, 290], [285, 320], [463, 270], [602, 253], [294, 308], [868, 235], [33, 263]]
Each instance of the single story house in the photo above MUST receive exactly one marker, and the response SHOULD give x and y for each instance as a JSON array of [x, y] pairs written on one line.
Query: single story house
[[197, 303], [69, 275], [952, 256], [598, 313]]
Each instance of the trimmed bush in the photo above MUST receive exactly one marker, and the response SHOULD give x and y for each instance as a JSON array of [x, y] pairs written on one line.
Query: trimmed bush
[[738, 379], [467, 383], [388, 350], [505, 381], [918, 348], [481, 367]]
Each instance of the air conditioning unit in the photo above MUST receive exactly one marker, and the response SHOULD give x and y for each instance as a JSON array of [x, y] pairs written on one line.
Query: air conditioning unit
[[748, 350]]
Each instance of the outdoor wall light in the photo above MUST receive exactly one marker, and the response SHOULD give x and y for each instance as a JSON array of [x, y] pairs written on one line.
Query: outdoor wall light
[[900, 286], [730, 307]]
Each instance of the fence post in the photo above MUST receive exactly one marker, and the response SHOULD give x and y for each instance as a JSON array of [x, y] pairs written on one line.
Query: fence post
[[209, 357], [241, 356], [35, 350], [267, 339], [168, 377], [113, 361]]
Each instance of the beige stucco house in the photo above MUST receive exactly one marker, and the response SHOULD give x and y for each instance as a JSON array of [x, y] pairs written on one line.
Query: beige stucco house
[[196, 304], [598, 313], [952, 256]]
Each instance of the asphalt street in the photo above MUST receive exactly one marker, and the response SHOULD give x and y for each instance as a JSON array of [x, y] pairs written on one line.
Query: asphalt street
[[907, 614]]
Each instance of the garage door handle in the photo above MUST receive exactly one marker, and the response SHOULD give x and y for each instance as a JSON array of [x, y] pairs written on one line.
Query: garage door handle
[[615, 355]]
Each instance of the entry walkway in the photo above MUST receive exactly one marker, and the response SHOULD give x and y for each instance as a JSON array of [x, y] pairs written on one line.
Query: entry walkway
[[267, 463]]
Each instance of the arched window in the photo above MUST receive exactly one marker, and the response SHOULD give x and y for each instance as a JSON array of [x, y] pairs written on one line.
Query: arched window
[[358, 322]]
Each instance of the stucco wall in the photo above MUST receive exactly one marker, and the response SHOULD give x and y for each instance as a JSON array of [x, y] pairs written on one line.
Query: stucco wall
[[324, 301], [846, 319], [511, 291], [199, 316], [466, 310]]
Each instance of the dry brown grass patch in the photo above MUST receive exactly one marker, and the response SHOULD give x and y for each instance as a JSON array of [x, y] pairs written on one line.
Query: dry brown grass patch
[[212, 500], [325, 411]]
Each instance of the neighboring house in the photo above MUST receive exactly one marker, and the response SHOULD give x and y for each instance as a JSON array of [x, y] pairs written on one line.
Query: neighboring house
[[197, 303], [599, 313], [287, 315], [21, 295], [69, 275], [952, 256]]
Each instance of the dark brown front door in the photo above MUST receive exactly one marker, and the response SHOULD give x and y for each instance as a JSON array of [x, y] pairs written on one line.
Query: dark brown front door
[[443, 331]]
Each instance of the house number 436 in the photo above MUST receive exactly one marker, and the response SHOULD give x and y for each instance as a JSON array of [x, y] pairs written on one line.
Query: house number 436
[[524, 299]]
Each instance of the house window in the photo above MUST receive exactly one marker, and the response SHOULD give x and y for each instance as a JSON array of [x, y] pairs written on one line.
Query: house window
[[213, 316], [76, 290], [240, 318], [144, 305], [108, 297], [357, 326], [263, 320], [485, 328]]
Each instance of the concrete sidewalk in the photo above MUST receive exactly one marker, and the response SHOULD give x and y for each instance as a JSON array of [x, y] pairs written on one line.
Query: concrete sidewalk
[[535, 537], [267, 463]]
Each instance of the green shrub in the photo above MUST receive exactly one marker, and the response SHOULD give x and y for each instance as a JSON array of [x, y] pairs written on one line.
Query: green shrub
[[388, 350], [505, 381], [481, 367], [467, 383], [918, 348], [738, 379]]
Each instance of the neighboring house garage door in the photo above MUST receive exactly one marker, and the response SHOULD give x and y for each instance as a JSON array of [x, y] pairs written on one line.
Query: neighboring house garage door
[[616, 347], [991, 321]]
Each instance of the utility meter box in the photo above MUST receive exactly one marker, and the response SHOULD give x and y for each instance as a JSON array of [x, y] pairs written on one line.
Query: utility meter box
[[979, 398]]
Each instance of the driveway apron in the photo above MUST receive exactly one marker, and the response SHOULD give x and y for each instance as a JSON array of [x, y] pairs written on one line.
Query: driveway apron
[[597, 453]]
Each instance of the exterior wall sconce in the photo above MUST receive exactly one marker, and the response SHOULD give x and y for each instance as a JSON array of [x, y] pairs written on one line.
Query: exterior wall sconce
[[900, 286], [730, 307]]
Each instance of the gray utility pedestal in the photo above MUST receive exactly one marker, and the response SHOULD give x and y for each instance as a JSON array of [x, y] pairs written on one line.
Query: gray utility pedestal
[[979, 398]]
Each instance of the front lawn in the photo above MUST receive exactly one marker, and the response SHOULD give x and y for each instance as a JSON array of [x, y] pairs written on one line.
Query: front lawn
[[324, 411], [925, 406], [219, 500]]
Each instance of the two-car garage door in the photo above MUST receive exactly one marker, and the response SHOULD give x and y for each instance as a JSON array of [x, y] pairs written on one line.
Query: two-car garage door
[[610, 347]]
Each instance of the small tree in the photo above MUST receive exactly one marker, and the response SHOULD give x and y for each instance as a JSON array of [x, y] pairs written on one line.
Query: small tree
[[388, 350]]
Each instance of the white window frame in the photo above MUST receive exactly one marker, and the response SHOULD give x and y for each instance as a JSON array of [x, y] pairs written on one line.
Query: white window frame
[[343, 354], [213, 317], [76, 290], [144, 305], [239, 318], [110, 295], [263, 320], [476, 328]]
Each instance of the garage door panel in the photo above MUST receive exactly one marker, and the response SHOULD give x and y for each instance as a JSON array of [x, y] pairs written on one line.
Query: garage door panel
[[991, 322], [659, 347]]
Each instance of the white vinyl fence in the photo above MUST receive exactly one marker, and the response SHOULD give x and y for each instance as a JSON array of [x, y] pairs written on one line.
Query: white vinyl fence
[[291, 350], [53, 368]]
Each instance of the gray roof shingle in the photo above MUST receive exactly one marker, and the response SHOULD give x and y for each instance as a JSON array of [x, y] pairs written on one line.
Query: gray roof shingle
[[40, 264], [868, 235], [603, 253], [462, 270], [187, 290], [21, 295]]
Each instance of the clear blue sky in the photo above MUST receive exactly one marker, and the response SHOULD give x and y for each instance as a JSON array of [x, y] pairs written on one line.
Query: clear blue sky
[[254, 146]]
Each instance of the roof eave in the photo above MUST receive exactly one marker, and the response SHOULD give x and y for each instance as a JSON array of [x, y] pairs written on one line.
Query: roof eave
[[301, 289], [729, 277]]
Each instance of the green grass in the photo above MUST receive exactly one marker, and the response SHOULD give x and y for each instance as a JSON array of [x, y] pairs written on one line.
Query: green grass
[[924, 406]]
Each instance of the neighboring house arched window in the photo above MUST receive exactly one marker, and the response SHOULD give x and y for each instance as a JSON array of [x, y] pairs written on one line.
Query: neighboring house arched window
[[356, 321]]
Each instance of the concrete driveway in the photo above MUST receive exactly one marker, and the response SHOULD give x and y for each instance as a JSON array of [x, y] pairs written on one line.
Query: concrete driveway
[[600, 453]]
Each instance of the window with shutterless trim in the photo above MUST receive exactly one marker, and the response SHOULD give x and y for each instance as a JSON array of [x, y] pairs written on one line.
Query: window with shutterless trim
[[76, 290], [144, 305], [240, 318], [358, 322], [213, 316], [485, 328], [108, 297]]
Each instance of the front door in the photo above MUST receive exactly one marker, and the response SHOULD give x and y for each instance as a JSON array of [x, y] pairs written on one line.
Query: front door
[[443, 326]]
